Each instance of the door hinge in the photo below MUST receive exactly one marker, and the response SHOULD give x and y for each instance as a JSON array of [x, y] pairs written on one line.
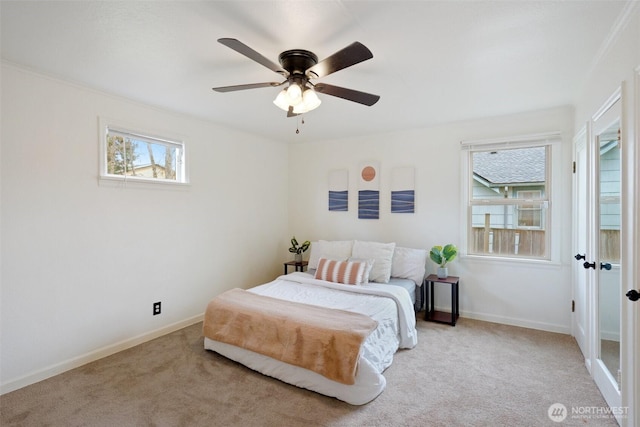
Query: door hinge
[[573, 306], [574, 167]]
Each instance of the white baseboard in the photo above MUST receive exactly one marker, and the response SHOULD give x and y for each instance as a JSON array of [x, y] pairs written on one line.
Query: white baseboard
[[76, 362], [81, 360], [524, 323]]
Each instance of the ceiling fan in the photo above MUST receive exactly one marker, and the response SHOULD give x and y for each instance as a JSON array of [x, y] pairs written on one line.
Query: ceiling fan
[[299, 67]]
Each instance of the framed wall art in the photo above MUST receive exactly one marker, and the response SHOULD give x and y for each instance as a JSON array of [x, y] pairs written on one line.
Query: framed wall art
[[339, 190], [403, 190], [369, 191]]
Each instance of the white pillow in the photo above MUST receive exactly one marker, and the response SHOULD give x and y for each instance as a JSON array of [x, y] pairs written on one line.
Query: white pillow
[[382, 253], [337, 249], [367, 268], [409, 264]]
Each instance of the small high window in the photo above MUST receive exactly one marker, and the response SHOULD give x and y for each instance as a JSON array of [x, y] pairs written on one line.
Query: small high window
[[133, 156]]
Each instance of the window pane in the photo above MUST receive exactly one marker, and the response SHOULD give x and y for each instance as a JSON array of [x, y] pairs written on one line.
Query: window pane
[[494, 232], [143, 157], [529, 214], [119, 154], [518, 173], [154, 161], [529, 218], [508, 211]]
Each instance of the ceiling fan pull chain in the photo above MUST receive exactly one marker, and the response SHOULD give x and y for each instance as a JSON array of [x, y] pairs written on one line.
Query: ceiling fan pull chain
[[298, 124]]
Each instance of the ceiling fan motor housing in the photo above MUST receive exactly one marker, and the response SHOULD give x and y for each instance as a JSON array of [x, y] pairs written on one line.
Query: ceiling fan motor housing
[[297, 61]]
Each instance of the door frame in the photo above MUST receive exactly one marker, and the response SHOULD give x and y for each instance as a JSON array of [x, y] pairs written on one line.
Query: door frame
[[630, 252]]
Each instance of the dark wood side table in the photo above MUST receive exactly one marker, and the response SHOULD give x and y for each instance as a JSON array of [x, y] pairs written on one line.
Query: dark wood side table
[[299, 266], [440, 316]]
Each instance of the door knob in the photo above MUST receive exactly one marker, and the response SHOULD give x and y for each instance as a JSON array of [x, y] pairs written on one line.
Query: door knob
[[579, 257], [605, 265], [588, 265], [633, 295]]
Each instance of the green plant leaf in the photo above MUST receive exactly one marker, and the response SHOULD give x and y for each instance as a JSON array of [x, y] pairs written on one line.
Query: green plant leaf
[[449, 252], [436, 255], [442, 255]]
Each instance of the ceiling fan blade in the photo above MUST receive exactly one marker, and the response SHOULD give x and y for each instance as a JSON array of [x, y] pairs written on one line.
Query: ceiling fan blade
[[348, 94], [245, 50], [353, 54], [247, 86]]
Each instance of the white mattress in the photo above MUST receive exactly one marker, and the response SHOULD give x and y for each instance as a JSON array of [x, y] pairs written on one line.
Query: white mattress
[[389, 305], [411, 288]]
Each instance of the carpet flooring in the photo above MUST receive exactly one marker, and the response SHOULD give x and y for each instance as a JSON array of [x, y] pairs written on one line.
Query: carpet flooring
[[473, 374]]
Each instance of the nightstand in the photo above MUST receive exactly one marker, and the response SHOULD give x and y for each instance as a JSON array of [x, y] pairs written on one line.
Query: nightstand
[[299, 266], [440, 316]]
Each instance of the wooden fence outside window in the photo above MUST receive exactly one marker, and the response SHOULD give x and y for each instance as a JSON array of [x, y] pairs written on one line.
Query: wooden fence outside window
[[531, 243]]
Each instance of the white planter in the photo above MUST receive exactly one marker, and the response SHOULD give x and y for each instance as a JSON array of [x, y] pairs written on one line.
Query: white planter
[[443, 272]]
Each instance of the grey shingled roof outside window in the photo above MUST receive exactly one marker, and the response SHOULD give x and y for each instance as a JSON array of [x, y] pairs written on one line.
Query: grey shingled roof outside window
[[508, 167]]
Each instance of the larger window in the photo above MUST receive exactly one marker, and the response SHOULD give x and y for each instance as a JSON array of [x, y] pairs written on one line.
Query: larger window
[[508, 199], [132, 155]]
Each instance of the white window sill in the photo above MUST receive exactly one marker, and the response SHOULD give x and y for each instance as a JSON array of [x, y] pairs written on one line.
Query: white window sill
[[134, 182], [511, 260]]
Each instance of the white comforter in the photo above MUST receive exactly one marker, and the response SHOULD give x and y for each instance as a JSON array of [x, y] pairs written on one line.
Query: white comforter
[[390, 305]]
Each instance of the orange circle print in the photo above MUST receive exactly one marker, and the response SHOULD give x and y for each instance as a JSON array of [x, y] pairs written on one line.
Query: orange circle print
[[368, 173]]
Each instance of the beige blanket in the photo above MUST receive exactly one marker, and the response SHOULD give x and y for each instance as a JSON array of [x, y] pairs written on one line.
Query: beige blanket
[[323, 340]]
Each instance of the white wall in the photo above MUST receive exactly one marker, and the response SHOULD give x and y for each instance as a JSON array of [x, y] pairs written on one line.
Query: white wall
[[616, 63], [82, 263], [536, 295]]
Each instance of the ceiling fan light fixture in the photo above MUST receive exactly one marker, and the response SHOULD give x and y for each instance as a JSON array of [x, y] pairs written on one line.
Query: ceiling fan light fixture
[[310, 101], [294, 94], [305, 103], [281, 100]]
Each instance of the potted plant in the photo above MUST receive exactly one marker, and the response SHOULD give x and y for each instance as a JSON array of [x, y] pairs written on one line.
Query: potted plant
[[298, 249], [441, 256]]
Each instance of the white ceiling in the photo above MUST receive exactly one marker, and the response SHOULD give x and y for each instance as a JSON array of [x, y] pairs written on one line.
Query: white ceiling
[[434, 61]]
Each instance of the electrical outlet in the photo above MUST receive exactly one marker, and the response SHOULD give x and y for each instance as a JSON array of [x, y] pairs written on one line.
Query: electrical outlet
[[157, 308]]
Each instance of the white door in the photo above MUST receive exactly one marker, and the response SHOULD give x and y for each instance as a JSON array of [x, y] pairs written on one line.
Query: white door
[[581, 184], [605, 257]]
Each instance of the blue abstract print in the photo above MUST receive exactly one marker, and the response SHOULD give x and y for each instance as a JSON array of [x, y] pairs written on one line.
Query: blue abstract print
[[368, 204], [403, 201], [338, 200]]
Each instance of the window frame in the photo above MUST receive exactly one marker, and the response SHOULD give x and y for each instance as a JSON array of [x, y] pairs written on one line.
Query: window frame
[[552, 142], [106, 126]]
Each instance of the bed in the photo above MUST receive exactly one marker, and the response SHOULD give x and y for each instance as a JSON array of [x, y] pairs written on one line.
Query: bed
[[389, 308]]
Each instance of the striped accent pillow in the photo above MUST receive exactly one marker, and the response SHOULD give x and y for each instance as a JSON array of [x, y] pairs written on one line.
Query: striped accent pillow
[[346, 272]]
